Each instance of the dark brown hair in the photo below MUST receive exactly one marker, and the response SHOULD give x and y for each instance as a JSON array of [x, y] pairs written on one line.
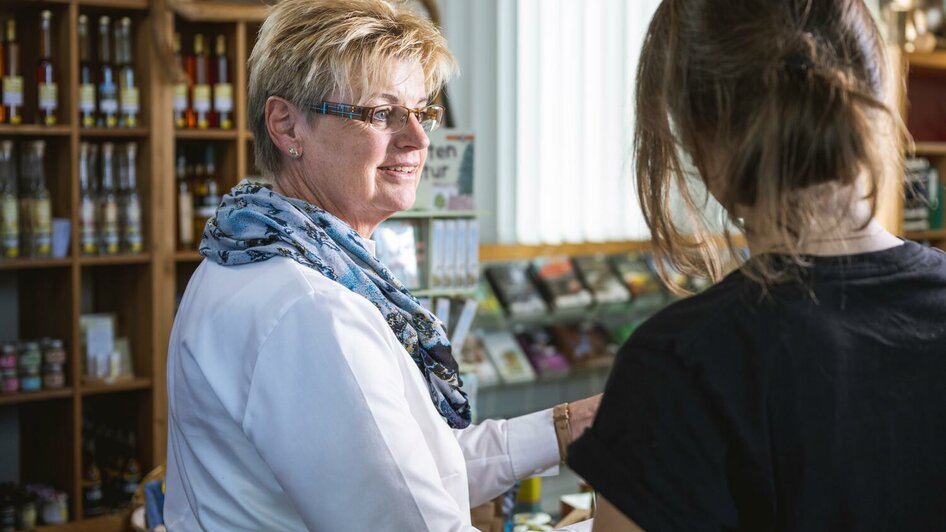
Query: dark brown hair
[[771, 100]]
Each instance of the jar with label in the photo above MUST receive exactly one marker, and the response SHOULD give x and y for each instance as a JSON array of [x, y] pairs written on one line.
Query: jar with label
[[30, 358], [8, 357], [53, 351], [54, 360], [7, 511], [56, 509], [29, 363], [54, 377], [25, 510], [9, 381]]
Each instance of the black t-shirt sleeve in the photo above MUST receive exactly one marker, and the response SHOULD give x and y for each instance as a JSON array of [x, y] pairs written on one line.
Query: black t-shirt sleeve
[[657, 450]]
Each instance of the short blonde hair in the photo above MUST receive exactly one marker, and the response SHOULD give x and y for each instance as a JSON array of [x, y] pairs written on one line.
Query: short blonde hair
[[308, 49]]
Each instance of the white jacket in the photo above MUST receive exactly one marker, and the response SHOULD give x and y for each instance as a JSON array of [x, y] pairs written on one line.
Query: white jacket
[[292, 406]]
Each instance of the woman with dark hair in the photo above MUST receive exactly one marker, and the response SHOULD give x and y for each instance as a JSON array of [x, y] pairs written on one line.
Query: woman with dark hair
[[804, 390]]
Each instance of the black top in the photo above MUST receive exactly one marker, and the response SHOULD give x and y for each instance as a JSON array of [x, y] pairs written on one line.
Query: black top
[[821, 408]]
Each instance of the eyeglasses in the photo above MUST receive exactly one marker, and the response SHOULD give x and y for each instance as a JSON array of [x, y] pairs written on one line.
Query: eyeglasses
[[388, 118]]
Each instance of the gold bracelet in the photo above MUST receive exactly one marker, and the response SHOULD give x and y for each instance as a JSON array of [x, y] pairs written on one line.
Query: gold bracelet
[[563, 429]]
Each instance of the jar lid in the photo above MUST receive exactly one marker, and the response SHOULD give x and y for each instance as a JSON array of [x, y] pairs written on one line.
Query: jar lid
[[53, 343]]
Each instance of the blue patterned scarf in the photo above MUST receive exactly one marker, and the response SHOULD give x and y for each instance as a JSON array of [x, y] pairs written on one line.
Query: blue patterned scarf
[[255, 223]]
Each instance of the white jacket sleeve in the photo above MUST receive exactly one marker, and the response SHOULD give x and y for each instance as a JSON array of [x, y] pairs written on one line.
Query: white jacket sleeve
[[500, 452], [328, 414]]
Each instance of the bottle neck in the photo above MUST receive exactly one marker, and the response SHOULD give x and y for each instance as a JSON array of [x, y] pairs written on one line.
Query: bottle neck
[[45, 41], [105, 49]]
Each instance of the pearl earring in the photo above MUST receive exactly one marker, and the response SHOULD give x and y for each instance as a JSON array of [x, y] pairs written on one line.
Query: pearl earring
[[294, 153]]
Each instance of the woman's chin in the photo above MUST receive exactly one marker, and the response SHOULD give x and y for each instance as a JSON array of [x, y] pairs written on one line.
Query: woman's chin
[[402, 201]]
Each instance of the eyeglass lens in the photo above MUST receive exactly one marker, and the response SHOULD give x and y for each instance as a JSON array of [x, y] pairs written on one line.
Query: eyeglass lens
[[393, 118]]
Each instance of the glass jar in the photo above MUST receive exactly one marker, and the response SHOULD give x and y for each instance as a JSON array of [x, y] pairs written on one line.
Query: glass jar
[[55, 509], [9, 382], [53, 351], [53, 377], [26, 511], [8, 357], [30, 359], [31, 383]]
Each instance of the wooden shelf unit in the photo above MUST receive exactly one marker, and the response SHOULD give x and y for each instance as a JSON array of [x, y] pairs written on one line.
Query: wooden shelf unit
[[51, 294], [923, 73]]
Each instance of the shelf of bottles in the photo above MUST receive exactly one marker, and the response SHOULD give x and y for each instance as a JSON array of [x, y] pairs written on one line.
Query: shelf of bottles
[[109, 94], [206, 106], [111, 458], [204, 99], [36, 200], [76, 194]]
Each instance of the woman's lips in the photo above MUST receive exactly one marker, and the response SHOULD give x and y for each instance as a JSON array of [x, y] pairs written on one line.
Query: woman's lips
[[399, 172]]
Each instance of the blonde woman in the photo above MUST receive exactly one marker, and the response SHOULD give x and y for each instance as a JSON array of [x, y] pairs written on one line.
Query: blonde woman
[[307, 388], [804, 391]]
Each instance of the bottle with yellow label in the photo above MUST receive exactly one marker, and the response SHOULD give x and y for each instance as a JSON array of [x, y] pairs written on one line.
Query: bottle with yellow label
[[9, 204], [180, 89], [130, 202], [109, 240], [127, 89], [88, 225], [108, 88], [87, 96], [223, 90], [202, 103], [38, 207], [12, 82], [47, 92]]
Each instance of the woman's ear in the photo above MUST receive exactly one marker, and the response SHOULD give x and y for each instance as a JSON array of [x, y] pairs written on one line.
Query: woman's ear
[[283, 121]]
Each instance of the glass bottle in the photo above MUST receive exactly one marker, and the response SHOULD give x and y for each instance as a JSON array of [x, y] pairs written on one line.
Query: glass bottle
[[108, 89], [180, 89], [206, 196], [47, 95], [86, 77], [12, 77], [130, 202], [127, 89], [198, 184], [9, 204], [190, 68], [223, 90], [185, 203], [205, 211], [131, 471], [201, 83], [35, 202], [47, 101], [88, 225], [108, 204], [92, 497]]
